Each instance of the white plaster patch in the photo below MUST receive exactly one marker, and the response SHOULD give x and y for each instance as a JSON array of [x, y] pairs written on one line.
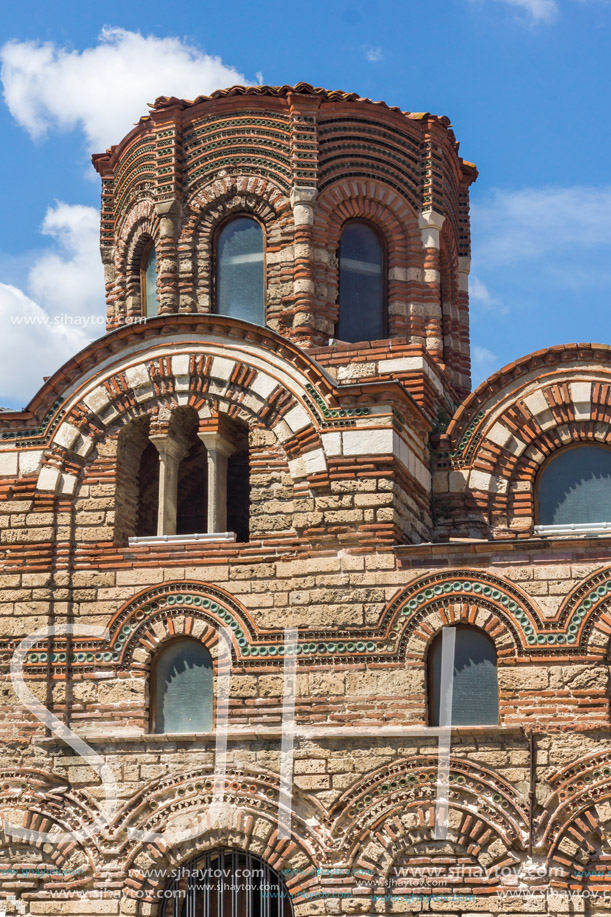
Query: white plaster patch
[[180, 364], [404, 454], [480, 480], [457, 481], [400, 364], [85, 446], [297, 468], [263, 385], [355, 371], [536, 403], [222, 368], [367, 442], [314, 461], [297, 418], [97, 400], [137, 376], [48, 478], [282, 431], [500, 435], [8, 464], [67, 435], [29, 461], [332, 443], [68, 483], [581, 393]]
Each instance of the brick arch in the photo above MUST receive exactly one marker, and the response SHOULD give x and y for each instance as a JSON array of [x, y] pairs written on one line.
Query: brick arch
[[578, 809], [418, 611], [149, 622], [30, 801], [483, 807], [256, 390], [398, 226], [248, 821], [496, 446], [210, 206], [139, 225]]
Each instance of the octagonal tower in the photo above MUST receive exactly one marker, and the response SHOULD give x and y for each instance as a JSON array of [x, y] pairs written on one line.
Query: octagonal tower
[[358, 235]]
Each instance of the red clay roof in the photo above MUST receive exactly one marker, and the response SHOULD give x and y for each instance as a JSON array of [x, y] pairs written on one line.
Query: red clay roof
[[327, 95]]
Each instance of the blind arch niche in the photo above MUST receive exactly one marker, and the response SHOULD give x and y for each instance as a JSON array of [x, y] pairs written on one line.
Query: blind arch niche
[[182, 688]]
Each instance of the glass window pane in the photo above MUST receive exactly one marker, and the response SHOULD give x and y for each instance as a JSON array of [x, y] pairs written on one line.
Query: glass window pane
[[475, 700], [575, 487], [361, 285], [184, 688], [150, 284], [241, 271]]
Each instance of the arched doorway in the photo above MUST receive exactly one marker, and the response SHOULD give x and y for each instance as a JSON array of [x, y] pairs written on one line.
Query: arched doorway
[[226, 883]]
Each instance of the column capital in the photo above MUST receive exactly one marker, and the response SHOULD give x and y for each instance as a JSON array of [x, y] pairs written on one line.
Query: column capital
[[430, 223], [169, 208], [302, 201], [216, 442], [168, 445]]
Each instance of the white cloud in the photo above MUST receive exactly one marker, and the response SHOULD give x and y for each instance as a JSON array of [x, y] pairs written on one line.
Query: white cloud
[[103, 90], [71, 278], [373, 55], [483, 363], [480, 295], [64, 309], [510, 227], [537, 10], [29, 351]]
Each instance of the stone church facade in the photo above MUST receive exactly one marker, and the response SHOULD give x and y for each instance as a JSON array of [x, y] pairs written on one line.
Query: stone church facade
[[236, 531]]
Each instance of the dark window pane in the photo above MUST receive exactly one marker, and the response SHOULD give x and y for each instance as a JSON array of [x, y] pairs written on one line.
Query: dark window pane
[[240, 271], [183, 688], [227, 883], [192, 491], [148, 492], [361, 285], [575, 487], [475, 700], [150, 284]]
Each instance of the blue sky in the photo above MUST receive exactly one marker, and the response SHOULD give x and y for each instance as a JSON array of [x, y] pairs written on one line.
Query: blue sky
[[525, 83]]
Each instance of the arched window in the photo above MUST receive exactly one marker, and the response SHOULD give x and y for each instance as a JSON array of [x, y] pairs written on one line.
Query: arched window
[[475, 695], [574, 487], [362, 307], [240, 271], [148, 281], [228, 883], [182, 688]]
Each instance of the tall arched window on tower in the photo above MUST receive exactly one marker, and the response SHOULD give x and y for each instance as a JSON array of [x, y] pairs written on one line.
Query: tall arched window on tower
[[240, 270], [362, 287], [472, 679], [182, 689], [148, 281], [574, 489]]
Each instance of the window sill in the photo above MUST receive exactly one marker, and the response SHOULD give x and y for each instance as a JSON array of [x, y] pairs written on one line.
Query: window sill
[[574, 528], [206, 538], [275, 732]]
